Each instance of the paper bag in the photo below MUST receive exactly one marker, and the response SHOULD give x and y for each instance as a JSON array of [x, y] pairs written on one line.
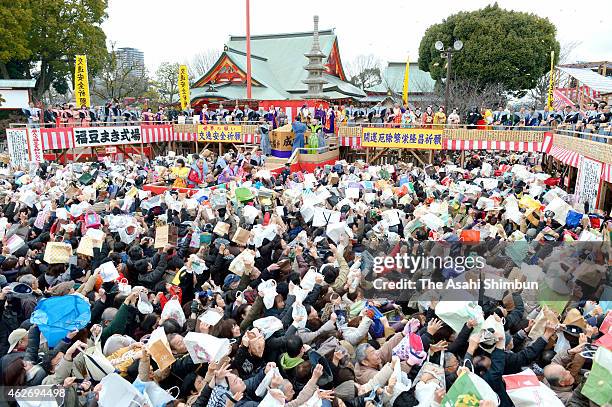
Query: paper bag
[[221, 228], [545, 315], [159, 348], [86, 247], [165, 235], [161, 236], [57, 253], [15, 243], [241, 237], [97, 237]]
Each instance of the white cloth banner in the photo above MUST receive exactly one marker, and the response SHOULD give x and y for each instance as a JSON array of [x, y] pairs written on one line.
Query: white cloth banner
[[588, 181], [18, 146]]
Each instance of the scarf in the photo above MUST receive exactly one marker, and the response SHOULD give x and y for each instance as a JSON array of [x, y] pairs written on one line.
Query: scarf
[[288, 362]]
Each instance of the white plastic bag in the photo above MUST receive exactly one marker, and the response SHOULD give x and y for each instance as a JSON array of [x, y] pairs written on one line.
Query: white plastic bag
[[173, 310], [124, 287], [268, 325], [525, 390], [268, 289], [456, 313], [116, 391]]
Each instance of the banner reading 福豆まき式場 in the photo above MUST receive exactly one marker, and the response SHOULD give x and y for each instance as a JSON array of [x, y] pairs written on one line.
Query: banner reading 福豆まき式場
[[381, 137], [588, 181], [104, 136], [220, 133]]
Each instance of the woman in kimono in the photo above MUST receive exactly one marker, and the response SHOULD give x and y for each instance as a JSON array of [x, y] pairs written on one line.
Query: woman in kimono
[[407, 118], [319, 114], [439, 118], [330, 121], [427, 118], [72, 116], [229, 173], [180, 172], [197, 173], [84, 118], [396, 116], [313, 138]]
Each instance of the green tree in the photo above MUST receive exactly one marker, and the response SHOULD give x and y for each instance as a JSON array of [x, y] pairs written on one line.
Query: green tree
[[59, 30], [16, 19], [166, 82], [500, 46]]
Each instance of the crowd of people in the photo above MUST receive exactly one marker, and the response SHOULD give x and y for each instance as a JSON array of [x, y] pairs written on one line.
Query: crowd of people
[[112, 113], [596, 116], [256, 288]]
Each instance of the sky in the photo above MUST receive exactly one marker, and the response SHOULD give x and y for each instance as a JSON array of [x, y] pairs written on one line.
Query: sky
[[175, 30]]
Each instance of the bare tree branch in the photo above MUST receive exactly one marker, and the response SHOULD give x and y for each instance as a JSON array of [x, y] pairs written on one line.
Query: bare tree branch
[[118, 80], [539, 94], [201, 63], [365, 71]]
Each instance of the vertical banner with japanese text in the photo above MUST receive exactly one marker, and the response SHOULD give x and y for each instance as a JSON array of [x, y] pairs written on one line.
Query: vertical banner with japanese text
[[183, 85], [551, 85], [35, 147], [406, 79], [220, 133], [588, 181], [81, 83], [17, 140]]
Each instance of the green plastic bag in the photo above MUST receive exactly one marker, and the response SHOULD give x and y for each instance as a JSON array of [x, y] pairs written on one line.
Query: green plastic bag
[[244, 194], [598, 387], [463, 393]]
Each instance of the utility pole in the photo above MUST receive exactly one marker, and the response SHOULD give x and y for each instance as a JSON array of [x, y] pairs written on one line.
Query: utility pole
[[248, 48], [448, 54]]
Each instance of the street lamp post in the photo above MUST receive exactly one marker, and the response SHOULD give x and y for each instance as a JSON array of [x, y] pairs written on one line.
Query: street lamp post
[[448, 54]]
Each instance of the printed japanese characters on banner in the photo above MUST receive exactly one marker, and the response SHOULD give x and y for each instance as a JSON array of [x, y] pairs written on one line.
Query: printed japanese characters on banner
[[588, 181], [18, 146], [101, 136], [429, 139], [219, 133], [35, 147], [183, 86], [81, 82]]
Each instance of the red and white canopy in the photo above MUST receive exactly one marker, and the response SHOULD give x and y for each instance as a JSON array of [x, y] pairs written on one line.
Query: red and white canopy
[[566, 156]]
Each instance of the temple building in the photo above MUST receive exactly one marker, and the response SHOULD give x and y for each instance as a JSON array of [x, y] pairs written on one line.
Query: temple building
[[284, 67], [421, 86]]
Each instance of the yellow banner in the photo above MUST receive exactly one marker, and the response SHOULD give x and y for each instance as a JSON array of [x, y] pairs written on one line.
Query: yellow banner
[[219, 133], [81, 83], [183, 86], [551, 84], [406, 77], [428, 139]]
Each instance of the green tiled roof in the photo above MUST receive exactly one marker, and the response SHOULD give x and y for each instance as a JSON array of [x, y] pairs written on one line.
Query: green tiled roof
[[393, 78], [234, 92], [285, 53], [278, 63]]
